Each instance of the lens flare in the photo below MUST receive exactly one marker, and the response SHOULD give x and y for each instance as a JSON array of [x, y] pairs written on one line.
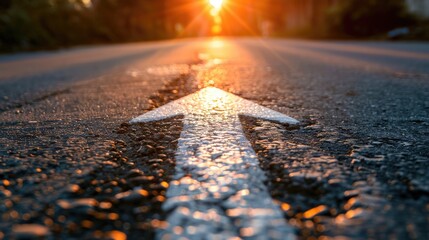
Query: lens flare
[[216, 28], [217, 4]]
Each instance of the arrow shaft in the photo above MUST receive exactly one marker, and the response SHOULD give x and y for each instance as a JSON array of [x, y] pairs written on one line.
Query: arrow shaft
[[218, 189]]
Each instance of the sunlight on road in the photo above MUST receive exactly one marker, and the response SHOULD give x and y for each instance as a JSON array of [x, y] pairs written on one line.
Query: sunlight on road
[[220, 62], [217, 43]]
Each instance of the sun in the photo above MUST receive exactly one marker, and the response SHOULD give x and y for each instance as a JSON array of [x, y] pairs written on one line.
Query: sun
[[217, 4]]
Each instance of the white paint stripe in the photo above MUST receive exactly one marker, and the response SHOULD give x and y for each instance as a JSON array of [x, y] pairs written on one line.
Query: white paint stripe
[[218, 190]]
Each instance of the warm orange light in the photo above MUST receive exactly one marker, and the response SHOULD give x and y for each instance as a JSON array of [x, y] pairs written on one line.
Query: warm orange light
[[87, 3], [216, 4], [214, 12], [216, 29]]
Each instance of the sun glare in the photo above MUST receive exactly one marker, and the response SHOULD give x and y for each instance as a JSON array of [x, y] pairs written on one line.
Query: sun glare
[[215, 13], [217, 4]]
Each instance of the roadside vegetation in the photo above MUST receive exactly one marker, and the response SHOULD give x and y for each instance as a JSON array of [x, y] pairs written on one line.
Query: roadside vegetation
[[49, 24], [369, 18]]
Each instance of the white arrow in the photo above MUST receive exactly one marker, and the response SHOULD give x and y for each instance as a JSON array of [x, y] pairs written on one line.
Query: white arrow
[[218, 190]]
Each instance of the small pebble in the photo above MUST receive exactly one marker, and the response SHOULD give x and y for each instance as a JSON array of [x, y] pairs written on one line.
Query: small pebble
[[30, 231]]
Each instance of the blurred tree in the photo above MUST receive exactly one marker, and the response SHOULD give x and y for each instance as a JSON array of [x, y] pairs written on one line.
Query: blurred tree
[[37, 24], [365, 18], [129, 20], [29, 24], [5, 4]]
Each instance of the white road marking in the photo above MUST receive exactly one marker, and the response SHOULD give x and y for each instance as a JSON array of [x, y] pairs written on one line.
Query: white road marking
[[218, 190]]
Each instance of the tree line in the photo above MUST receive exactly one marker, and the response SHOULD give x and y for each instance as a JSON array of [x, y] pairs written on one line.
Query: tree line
[[49, 24], [44, 24]]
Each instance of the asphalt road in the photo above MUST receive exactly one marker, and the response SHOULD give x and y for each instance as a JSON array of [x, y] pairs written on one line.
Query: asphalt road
[[355, 167]]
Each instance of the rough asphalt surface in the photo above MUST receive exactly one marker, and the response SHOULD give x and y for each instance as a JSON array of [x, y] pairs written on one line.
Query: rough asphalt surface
[[356, 167]]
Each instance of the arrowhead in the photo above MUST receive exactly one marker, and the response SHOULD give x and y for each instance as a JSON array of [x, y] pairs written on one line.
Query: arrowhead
[[213, 99]]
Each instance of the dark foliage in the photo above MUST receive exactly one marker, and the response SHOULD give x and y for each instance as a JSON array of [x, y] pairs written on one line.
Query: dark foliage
[[49, 24], [365, 18], [45, 24]]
